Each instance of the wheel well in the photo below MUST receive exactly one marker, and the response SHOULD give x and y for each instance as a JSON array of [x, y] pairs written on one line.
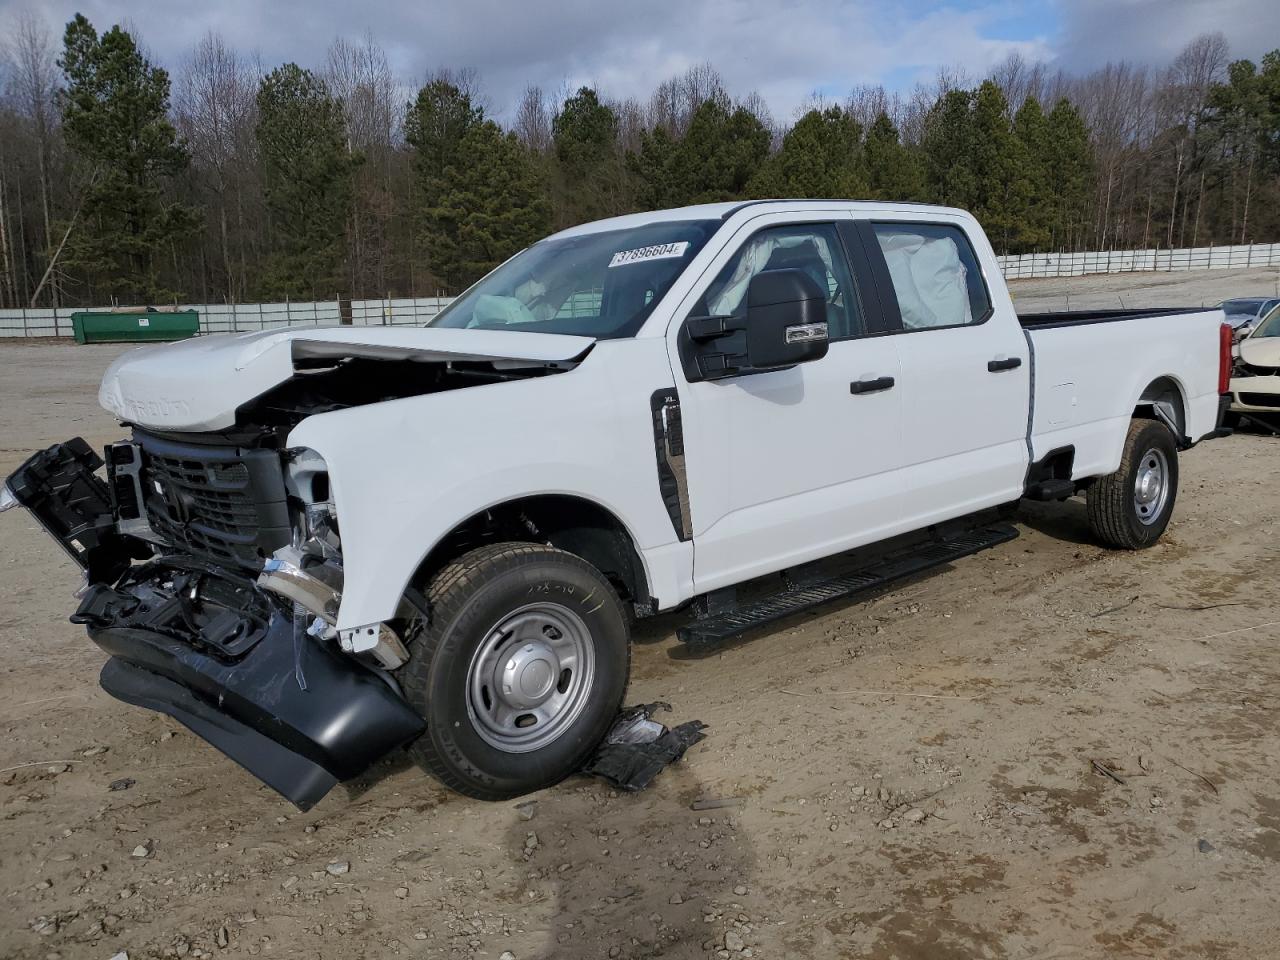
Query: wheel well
[[570, 523], [1162, 400]]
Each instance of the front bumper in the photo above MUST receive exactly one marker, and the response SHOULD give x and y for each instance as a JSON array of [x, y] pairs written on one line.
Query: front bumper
[[1260, 394], [299, 717], [210, 648]]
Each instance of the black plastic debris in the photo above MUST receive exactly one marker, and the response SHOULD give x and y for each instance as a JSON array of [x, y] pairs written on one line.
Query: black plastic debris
[[637, 747]]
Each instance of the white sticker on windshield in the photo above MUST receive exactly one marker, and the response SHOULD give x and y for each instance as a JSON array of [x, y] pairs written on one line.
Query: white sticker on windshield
[[659, 251]]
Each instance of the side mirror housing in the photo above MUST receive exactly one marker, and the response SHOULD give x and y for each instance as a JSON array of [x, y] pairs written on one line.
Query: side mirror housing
[[786, 320], [785, 324]]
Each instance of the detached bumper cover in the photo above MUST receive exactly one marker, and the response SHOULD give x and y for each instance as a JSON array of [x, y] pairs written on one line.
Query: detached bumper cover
[[300, 742], [206, 646]]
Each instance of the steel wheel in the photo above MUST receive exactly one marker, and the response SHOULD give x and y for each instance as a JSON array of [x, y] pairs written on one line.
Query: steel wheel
[[530, 677], [1151, 486]]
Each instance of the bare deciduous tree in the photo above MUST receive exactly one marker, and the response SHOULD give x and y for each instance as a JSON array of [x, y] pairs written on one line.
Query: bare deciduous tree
[[33, 78], [533, 120], [215, 111]]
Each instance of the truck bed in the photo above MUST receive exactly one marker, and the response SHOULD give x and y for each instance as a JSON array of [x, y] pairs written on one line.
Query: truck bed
[[1087, 384]]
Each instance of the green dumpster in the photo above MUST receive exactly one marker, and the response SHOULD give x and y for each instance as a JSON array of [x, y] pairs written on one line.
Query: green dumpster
[[115, 327]]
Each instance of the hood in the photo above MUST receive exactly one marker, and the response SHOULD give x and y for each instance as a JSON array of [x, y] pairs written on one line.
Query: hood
[[1260, 351], [198, 384]]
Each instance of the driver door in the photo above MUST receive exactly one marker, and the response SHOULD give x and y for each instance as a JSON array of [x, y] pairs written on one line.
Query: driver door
[[791, 465]]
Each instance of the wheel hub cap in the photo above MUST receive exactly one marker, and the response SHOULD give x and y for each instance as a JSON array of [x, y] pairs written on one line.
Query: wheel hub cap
[[1151, 486], [530, 677]]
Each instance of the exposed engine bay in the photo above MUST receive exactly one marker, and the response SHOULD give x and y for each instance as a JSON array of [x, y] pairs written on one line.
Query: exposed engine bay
[[214, 572]]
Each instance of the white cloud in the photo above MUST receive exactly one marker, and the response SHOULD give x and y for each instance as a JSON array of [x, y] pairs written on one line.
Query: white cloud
[[782, 50], [1153, 31]]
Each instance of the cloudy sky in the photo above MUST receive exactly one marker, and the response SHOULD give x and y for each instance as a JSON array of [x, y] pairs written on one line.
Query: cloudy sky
[[784, 49]]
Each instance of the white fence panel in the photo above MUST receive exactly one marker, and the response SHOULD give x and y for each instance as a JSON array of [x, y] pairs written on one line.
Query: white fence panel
[[415, 311], [1030, 265]]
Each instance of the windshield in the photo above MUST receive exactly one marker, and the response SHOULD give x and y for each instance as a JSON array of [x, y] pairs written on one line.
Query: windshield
[[1241, 308], [601, 285], [1270, 327]]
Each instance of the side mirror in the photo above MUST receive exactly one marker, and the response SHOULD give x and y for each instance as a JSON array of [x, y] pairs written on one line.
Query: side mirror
[[785, 324], [786, 320]]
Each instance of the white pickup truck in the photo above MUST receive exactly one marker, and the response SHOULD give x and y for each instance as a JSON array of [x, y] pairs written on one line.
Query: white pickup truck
[[320, 545]]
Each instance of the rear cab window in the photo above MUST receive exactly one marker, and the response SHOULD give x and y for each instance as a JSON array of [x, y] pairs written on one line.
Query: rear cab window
[[935, 275]]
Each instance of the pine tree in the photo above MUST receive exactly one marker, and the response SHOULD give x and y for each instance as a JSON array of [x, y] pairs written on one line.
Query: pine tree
[[492, 206], [821, 156], [1031, 130], [307, 181], [585, 136], [1070, 173], [948, 150], [1002, 198], [115, 119], [894, 170], [436, 124], [653, 170], [719, 154]]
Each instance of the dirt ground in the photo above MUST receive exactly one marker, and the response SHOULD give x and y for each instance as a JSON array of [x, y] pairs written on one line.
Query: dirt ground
[[912, 776]]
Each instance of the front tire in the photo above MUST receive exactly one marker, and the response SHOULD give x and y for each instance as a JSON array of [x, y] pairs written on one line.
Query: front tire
[[1130, 508], [520, 670]]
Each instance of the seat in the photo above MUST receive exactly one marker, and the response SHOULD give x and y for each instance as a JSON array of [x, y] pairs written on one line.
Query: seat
[[805, 257]]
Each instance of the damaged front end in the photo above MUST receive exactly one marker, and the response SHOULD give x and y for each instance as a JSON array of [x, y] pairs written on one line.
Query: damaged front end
[[213, 577]]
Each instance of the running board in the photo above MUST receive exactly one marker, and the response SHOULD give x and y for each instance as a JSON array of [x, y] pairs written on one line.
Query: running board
[[714, 629]]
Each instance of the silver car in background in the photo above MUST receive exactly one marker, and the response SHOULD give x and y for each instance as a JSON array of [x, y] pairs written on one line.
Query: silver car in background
[[1244, 313]]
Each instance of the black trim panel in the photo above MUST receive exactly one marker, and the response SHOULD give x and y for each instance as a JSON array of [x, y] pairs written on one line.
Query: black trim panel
[[1079, 318], [882, 283], [668, 445]]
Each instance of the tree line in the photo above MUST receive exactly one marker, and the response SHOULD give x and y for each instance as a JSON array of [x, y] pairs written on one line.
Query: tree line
[[232, 182]]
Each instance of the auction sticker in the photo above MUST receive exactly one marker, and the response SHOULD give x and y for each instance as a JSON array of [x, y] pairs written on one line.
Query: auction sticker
[[658, 251]]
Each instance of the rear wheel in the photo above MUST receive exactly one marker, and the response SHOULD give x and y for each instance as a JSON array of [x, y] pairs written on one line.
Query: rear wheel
[[1130, 508], [520, 670]]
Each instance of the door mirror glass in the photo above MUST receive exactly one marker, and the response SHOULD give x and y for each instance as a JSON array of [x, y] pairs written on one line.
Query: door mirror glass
[[786, 320]]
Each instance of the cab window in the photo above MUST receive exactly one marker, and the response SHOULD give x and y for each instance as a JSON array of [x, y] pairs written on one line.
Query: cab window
[[811, 247], [935, 275]]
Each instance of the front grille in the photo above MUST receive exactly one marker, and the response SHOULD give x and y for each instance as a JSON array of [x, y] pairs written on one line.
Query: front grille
[[1249, 370], [224, 504], [1261, 399]]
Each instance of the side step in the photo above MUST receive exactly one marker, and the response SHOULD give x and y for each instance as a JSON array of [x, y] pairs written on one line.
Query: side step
[[757, 613]]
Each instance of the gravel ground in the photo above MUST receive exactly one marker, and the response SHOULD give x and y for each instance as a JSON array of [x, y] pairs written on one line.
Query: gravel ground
[[912, 776], [1191, 288]]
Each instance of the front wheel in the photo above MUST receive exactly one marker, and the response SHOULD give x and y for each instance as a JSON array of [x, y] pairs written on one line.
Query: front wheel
[[520, 670], [1130, 508]]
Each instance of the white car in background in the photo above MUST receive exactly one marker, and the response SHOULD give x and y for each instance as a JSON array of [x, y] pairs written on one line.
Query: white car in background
[[1255, 387], [1245, 313]]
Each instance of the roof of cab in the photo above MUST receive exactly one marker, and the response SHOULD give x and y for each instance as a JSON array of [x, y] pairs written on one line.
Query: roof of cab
[[721, 211]]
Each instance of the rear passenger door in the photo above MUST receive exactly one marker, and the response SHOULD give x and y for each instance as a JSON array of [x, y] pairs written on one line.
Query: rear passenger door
[[965, 378]]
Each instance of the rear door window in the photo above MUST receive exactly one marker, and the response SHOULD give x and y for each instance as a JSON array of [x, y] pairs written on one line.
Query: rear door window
[[935, 275]]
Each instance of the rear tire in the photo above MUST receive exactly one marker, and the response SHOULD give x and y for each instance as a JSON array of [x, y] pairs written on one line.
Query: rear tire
[[1130, 508], [519, 672]]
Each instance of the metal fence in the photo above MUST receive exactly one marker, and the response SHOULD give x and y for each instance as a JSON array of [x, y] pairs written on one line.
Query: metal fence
[[1028, 265], [413, 311]]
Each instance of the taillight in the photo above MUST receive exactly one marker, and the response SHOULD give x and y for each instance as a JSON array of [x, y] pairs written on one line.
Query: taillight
[[1224, 358]]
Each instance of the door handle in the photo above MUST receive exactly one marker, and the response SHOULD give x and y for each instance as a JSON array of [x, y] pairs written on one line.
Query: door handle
[[995, 366], [871, 386]]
